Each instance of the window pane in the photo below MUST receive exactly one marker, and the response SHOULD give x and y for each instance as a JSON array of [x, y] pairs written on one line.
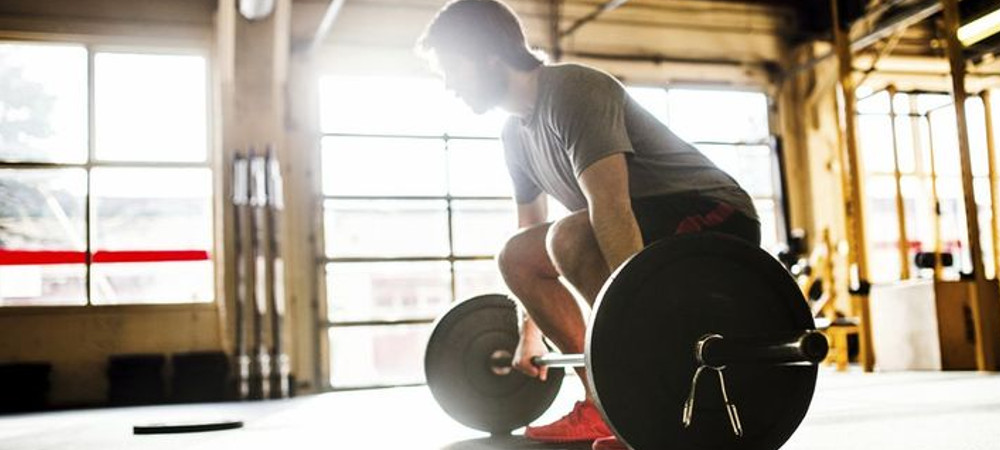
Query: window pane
[[42, 237], [653, 99], [478, 168], [883, 228], [474, 278], [481, 227], [387, 291], [384, 167], [877, 103], [904, 141], [150, 107], [43, 285], [752, 166], [43, 209], [768, 223], [161, 209], [152, 235], [377, 356], [696, 115], [386, 228], [401, 106], [945, 141], [382, 105], [875, 136], [976, 118], [149, 283], [927, 102], [901, 103], [43, 95]]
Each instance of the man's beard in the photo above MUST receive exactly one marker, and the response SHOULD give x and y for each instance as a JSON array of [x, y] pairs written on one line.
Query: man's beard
[[491, 89]]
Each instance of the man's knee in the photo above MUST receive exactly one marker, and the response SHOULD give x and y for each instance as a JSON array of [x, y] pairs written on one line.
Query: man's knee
[[571, 239], [524, 255]]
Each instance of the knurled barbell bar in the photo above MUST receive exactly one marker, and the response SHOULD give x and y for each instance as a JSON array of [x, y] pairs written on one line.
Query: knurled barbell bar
[[684, 307], [713, 351]]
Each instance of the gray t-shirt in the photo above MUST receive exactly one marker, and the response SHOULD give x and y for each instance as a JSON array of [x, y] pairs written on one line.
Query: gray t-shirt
[[583, 115]]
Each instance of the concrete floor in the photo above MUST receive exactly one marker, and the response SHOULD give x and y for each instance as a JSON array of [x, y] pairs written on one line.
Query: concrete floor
[[911, 411]]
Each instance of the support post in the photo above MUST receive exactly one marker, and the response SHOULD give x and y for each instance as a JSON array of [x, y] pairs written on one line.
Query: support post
[[991, 155], [904, 241], [982, 308], [935, 202], [851, 179]]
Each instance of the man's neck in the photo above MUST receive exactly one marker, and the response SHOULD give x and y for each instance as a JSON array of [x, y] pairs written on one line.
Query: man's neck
[[522, 92]]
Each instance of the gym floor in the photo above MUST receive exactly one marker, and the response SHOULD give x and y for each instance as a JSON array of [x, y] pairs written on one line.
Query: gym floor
[[905, 411]]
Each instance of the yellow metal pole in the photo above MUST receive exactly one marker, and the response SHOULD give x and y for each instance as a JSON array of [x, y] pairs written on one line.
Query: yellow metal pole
[[935, 202], [904, 241], [992, 164], [854, 210], [985, 345]]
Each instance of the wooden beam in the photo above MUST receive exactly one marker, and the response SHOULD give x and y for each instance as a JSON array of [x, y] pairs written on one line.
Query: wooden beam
[[608, 6], [332, 12]]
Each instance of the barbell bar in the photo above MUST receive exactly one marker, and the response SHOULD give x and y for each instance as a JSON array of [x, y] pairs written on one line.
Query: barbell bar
[[713, 350]]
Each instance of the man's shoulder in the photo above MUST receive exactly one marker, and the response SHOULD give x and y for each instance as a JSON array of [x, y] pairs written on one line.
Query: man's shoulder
[[574, 88], [570, 74]]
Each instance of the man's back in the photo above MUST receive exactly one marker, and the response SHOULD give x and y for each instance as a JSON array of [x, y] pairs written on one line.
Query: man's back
[[582, 115]]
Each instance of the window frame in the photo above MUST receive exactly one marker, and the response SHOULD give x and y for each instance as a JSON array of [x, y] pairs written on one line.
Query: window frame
[[925, 149], [451, 258], [93, 47]]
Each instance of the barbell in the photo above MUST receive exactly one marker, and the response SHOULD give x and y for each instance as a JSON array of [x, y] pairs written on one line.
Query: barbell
[[699, 341]]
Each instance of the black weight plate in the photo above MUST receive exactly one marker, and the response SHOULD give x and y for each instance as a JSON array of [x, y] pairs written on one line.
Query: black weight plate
[[640, 345], [459, 372], [186, 427]]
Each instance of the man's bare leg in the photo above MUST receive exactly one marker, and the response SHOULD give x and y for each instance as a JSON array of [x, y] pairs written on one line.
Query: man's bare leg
[[573, 248], [534, 280]]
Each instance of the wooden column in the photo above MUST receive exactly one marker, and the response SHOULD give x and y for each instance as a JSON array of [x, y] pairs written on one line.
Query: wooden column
[[984, 309], [851, 179], [991, 155], [251, 66]]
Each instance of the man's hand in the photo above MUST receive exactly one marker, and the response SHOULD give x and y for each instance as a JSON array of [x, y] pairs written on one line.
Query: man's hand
[[530, 346]]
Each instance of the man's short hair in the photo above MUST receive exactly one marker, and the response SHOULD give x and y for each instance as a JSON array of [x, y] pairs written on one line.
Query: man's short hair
[[477, 28]]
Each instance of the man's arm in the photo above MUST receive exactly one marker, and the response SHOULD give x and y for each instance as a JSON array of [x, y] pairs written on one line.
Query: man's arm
[[534, 213], [531, 214], [605, 184]]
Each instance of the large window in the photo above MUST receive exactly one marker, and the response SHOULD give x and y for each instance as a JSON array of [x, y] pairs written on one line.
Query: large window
[[926, 139], [105, 186], [417, 202]]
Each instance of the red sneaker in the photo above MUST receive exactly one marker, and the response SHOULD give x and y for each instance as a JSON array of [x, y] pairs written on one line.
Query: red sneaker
[[582, 424], [609, 443]]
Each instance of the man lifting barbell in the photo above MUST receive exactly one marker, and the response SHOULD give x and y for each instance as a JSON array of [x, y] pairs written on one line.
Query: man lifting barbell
[[576, 135]]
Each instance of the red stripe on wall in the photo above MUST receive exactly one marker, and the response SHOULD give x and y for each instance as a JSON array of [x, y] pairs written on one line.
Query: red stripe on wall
[[39, 257], [140, 256], [48, 257]]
